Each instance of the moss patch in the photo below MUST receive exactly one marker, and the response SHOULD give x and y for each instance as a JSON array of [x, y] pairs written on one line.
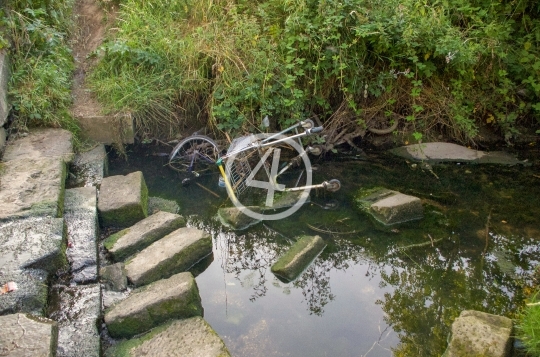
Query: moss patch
[[298, 257], [111, 240]]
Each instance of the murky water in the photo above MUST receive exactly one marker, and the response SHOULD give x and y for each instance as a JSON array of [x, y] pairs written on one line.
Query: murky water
[[373, 291]]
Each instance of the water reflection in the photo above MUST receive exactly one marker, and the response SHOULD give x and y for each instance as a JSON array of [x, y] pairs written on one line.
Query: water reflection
[[372, 291]]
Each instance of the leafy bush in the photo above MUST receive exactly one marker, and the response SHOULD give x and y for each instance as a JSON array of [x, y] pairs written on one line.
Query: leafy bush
[[443, 66], [42, 64]]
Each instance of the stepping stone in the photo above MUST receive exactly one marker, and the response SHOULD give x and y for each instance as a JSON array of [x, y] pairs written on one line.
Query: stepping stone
[[232, 217], [173, 298], [77, 312], [40, 143], [389, 207], [123, 200], [298, 257], [27, 335], [36, 243], [139, 236], [32, 187], [448, 152], [476, 333], [174, 253], [31, 294], [192, 337], [88, 168], [80, 215], [114, 276]]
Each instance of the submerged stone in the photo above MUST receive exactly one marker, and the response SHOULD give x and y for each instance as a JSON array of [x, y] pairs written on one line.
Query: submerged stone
[[388, 206], [89, 167], [40, 143], [77, 309], [448, 152], [147, 307], [156, 204], [192, 337], [31, 294], [82, 228], [139, 236], [32, 187], [298, 257], [174, 253], [123, 200], [27, 335], [233, 217], [476, 333]]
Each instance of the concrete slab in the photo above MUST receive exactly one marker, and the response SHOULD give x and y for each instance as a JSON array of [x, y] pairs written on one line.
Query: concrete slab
[[108, 129], [289, 266], [31, 294], [139, 236], [448, 152], [232, 217], [36, 243], [145, 308], [77, 309], [192, 337], [123, 200], [80, 215], [41, 143], [89, 167], [476, 333], [24, 335], [32, 187], [174, 253]]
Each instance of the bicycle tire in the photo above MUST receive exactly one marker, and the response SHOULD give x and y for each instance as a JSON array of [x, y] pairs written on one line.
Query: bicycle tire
[[194, 154]]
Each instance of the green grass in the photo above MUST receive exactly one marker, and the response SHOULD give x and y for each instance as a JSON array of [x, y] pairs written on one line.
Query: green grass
[[528, 327]]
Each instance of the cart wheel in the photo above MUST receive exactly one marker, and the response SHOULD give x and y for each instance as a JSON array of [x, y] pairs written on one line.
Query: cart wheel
[[314, 150], [193, 155], [332, 185], [307, 124]]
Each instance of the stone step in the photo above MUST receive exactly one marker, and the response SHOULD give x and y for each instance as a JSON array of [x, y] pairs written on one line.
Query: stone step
[[139, 236], [76, 310], [80, 215], [192, 337], [123, 200], [289, 266], [389, 207], [152, 305], [31, 294], [89, 167], [27, 335], [174, 253], [40, 143], [32, 187], [37, 243]]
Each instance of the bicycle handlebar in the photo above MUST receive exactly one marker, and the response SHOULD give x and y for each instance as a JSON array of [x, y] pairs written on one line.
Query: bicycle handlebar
[[317, 129]]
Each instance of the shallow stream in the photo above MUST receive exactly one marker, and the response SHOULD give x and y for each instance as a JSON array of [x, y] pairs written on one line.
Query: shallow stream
[[373, 291]]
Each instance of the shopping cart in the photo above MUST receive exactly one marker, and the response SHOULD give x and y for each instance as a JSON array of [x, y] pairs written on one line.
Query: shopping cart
[[250, 158]]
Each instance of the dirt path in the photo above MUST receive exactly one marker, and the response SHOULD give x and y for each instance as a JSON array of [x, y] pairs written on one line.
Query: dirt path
[[90, 31]]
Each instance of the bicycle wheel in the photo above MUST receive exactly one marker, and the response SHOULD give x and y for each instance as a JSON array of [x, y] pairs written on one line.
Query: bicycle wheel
[[194, 155]]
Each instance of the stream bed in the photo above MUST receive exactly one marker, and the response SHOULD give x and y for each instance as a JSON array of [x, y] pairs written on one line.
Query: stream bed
[[374, 290]]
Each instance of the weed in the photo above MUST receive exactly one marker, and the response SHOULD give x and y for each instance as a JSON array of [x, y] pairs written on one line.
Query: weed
[[528, 326]]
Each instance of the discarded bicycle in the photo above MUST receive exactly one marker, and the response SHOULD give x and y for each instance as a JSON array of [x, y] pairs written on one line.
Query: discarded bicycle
[[249, 157]]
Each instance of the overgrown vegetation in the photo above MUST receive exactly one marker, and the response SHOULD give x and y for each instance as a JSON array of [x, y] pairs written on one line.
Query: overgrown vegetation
[[443, 67], [36, 32]]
